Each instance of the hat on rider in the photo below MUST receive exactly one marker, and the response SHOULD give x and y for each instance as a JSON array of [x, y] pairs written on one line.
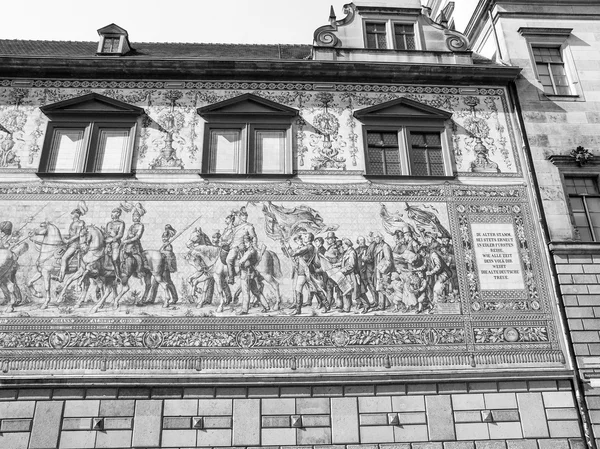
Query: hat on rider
[[243, 211], [117, 210], [139, 209], [330, 235], [6, 227], [169, 231]]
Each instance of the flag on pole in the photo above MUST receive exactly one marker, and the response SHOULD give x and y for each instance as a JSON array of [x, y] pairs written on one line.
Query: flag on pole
[[281, 223]]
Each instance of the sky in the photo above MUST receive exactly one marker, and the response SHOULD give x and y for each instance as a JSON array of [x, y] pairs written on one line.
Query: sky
[[209, 21]]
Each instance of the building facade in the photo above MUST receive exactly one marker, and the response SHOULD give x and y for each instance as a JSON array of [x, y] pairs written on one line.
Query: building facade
[[556, 45], [334, 244]]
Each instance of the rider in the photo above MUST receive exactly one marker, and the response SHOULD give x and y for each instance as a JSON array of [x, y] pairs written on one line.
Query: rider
[[132, 245], [167, 249], [72, 241], [239, 230], [115, 229], [6, 228]]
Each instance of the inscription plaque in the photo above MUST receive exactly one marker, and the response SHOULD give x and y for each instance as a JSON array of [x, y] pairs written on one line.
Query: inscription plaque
[[497, 256]]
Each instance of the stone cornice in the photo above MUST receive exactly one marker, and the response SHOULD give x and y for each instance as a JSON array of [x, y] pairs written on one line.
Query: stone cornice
[[186, 69], [527, 31]]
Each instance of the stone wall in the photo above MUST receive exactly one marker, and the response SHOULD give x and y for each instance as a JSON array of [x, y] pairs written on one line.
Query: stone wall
[[579, 276], [486, 415]]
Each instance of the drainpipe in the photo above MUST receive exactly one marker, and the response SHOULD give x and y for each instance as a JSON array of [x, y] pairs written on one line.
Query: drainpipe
[[577, 384]]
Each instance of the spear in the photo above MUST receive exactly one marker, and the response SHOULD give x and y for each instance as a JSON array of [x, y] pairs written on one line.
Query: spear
[[30, 219], [179, 234]]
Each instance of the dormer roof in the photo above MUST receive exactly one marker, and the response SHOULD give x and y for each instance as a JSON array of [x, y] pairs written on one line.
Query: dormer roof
[[112, 29], [245, 105], [92, 103], [402, 108]]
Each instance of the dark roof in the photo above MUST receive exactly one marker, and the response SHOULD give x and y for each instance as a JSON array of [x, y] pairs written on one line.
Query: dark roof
[[73, 49]]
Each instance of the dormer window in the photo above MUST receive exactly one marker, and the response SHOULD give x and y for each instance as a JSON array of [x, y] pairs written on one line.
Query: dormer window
[[111, 45], [91, 134], [376, 35], [404, 36], [390, 35], [247, 135], [405, 138], [114, 41]]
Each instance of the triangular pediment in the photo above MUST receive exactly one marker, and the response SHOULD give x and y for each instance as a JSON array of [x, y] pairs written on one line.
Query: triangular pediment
[[91, 104], [402, 108], [112, 29], [248, 104]]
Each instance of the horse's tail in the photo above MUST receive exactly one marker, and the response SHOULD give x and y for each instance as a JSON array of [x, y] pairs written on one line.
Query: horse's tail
[[275, 265]]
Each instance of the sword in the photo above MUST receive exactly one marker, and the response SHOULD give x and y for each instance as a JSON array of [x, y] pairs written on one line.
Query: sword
[[179, 234]]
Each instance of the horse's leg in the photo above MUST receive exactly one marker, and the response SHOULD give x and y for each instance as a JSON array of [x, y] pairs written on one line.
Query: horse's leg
[[274, 284], [46, 276], [7, 295], [84, 293], [220, 284], [102, 300], [171, 287], [124, 290], [67, 283], [32, 281], [146, 279]]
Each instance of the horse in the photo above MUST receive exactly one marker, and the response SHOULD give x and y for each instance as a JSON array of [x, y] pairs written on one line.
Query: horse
[[269, 268], [49, 244], [8, 272], [92, 269], [152, 270]]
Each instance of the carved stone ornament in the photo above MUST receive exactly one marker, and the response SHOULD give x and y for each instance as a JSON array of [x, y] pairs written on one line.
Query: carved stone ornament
[[581, 155], [325, 37]]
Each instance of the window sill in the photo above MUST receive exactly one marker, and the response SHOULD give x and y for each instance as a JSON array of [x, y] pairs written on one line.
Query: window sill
[[403, 177], [247, 175], [575, 247], [555, 97], [86, 175]]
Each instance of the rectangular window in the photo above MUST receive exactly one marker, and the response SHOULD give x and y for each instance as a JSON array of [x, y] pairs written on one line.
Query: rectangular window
[[551, 70], [112, 152], [404, 36], [376, 35], [405, 152], [225, 150], [383, 153], [269, 151], [67, 153], [426, 158], [584, 199], [246, 148], [111, 45], [96, 147]]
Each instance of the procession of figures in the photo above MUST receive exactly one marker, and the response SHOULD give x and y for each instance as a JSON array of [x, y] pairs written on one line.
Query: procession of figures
[[102, 267]]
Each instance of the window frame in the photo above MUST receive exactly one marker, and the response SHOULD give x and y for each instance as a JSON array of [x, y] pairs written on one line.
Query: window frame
[[385, 33], [404, 115], [404, 147], [414, 34], [390, 33], [568, 196], [246, 165], [553, 38], [549, 66], [92, 130], [249, 113], [92, 113]]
